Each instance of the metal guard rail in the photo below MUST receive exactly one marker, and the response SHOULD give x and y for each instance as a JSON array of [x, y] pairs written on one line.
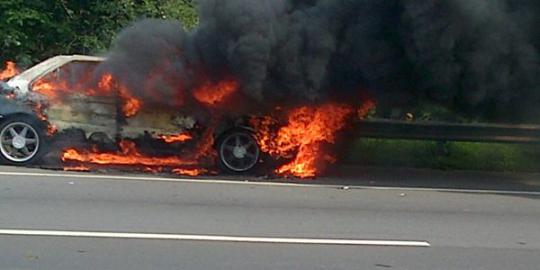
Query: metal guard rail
[[440, 131]]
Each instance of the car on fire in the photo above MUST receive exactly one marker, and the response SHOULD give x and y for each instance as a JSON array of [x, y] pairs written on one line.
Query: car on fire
[[25, 126]]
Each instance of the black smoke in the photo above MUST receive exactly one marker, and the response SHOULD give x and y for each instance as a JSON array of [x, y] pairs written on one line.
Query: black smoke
[[478, 58], [150, 58]]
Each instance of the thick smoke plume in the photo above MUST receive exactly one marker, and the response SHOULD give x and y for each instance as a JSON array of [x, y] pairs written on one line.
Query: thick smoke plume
[[479, 58]]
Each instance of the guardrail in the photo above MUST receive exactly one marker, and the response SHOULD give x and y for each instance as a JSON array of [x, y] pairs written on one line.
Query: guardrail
[[440, 131]]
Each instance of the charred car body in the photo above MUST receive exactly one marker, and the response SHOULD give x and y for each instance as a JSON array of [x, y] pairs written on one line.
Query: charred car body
[[30, 113], [21, 132]]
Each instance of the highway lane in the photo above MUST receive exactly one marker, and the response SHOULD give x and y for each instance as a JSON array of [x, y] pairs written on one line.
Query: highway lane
[[55, 253], [465, 230]]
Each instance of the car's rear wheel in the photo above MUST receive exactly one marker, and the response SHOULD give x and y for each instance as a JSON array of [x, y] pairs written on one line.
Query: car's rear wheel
[[238, 152], [21, 141]]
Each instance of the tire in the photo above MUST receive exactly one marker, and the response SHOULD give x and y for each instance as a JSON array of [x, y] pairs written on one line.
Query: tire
[[22, 141], [238, 152]]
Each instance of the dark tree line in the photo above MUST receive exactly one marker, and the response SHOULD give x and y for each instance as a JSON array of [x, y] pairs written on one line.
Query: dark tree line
[[31, 30]]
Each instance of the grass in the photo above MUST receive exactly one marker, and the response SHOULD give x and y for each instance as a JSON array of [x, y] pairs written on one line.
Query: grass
[[445, 155]]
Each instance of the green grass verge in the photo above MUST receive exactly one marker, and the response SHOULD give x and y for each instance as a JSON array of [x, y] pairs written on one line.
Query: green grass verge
[[446, 156]]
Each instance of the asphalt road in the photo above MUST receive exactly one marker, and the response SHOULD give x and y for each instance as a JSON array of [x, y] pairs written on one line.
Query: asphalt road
[[464, 230]]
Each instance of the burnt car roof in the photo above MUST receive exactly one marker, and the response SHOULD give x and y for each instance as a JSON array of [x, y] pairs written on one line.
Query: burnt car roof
[[52, 63]]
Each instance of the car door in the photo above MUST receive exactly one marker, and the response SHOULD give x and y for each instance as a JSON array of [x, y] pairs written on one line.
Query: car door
[[74, 100]]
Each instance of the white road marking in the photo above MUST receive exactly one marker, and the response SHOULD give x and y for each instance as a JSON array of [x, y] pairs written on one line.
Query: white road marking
[[246, 182], [215, 238]]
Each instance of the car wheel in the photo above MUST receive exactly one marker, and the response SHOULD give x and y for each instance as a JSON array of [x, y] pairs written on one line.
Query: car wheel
[[21, 141], [238, 152]]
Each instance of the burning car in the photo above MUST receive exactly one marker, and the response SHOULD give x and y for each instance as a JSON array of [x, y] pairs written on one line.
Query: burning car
[[70, 93]]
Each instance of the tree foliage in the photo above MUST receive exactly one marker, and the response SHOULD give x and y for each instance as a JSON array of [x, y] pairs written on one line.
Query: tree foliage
[[32, 30]]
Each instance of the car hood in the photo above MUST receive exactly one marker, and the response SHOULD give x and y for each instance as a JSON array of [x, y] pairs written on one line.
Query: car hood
[[15, 87], [12, 105], [13, 100]]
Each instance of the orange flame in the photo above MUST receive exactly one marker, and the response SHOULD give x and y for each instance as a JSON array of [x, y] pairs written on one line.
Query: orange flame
[[304, 165], [153, 170], [190, 172], [55, 89], [39, 110], [366, 107], [307, 129], [213, 94], [51, 89], [128, 155], [106, 83], [80, 168], [131, 105], [205, 147], [176, 138], [51, 130], [9, 71]]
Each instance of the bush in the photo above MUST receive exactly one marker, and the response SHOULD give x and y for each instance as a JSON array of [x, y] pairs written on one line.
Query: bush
[[32, 30], [449, 155]]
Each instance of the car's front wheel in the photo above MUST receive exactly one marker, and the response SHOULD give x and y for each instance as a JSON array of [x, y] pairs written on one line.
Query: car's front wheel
[[238, 151], [21, 141]]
